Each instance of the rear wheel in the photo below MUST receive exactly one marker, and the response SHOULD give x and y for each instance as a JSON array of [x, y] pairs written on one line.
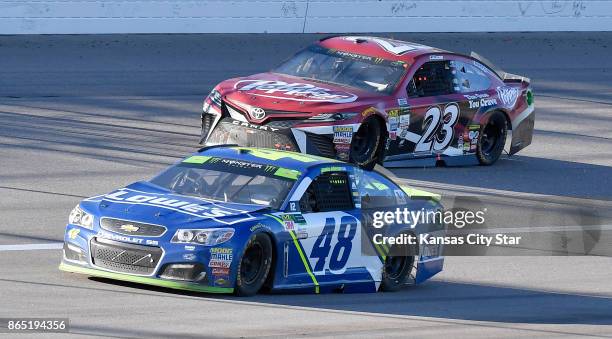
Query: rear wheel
[[491, 139], [366, 144], [396, 272], [254, 265]]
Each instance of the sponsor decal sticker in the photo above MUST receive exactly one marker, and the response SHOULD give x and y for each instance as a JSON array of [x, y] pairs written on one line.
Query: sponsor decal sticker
[[368, 112], [73, 233], [189, 256], [485, 102], [342, 151], [221, 257], [473, 133], [393, 119], [436, 57], [209, 210], [296, 91], [291, 221], [402, 101], [287, 173], [196, 159], [404, 121], [289, 225], [257, 226], [220, 271], [343, 134], [508, 95], [476, 96], [333, 169], [221, 282]]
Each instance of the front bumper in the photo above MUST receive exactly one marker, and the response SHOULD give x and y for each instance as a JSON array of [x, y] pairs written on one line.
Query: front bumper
[[154, 262], [279, 134], [179, 285], [229, 131]]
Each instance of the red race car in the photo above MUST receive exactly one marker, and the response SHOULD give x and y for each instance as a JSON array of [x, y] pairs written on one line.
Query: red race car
[[372, 100]]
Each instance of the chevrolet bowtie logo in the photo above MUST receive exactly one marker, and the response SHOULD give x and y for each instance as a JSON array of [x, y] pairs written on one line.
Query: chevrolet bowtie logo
[[129, 228]]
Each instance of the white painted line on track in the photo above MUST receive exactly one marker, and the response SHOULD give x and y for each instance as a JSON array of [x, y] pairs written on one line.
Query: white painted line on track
[[32, 247]]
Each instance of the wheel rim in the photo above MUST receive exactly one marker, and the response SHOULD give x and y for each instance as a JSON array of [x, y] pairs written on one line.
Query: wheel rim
[[362, 145], [252, 263], [394, 267], [490, 137]]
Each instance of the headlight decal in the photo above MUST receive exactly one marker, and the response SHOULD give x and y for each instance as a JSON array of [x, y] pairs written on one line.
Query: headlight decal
[[81, 218], [213, 98], [206, 237]]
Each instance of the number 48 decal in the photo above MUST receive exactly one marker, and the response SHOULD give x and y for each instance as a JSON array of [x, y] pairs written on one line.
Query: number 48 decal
[[439, 128], [342, 249]]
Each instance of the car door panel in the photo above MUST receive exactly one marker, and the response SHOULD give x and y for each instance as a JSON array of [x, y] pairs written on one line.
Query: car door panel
[[330, 246]]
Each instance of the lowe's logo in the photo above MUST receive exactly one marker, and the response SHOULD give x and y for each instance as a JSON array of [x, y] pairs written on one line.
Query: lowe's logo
[[206, 209]]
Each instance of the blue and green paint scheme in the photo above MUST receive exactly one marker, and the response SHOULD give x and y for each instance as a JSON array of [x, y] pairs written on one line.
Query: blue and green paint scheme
[[313, 252]]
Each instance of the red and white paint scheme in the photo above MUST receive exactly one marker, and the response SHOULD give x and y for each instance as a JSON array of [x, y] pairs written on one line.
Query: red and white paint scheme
[[374, 100]]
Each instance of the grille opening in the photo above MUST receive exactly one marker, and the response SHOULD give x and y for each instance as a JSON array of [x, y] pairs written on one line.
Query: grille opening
[[207, 123], [324, 144], [126, 258]]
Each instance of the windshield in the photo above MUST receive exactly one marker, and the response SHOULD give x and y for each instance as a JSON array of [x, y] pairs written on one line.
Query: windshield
[[344, 68], [229, 180]]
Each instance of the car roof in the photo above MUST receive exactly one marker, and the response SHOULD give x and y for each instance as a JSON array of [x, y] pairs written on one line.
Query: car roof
[[267, 156], [379, 47]]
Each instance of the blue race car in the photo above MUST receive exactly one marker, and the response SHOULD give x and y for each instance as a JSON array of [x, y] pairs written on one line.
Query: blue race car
[[239, 220]]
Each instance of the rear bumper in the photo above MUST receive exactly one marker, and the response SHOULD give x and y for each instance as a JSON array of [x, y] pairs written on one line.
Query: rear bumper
[[179, 285], [522, 129]]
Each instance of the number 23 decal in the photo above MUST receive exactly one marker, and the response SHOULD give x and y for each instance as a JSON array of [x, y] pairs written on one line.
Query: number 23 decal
[[439, 128]]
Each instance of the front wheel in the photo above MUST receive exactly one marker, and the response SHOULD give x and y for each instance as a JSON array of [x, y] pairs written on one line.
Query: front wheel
[[366, 143], [491, 139], [254, 265]]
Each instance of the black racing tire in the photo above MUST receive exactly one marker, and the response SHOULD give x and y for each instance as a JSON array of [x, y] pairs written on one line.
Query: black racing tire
[[491, 139], [366, 144], [254, 265], [396, 272]]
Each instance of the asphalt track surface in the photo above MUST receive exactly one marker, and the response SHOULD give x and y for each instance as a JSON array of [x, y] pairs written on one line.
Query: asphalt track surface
[[82, 115]]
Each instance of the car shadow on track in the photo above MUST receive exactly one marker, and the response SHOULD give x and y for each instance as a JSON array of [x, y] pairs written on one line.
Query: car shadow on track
[[438, 299], [523, 174]]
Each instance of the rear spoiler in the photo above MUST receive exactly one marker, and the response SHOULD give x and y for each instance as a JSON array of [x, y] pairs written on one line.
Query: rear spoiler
[[505, 76]]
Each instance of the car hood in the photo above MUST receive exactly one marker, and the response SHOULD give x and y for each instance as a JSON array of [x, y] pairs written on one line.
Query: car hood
[[278, 94], [147, 203]]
